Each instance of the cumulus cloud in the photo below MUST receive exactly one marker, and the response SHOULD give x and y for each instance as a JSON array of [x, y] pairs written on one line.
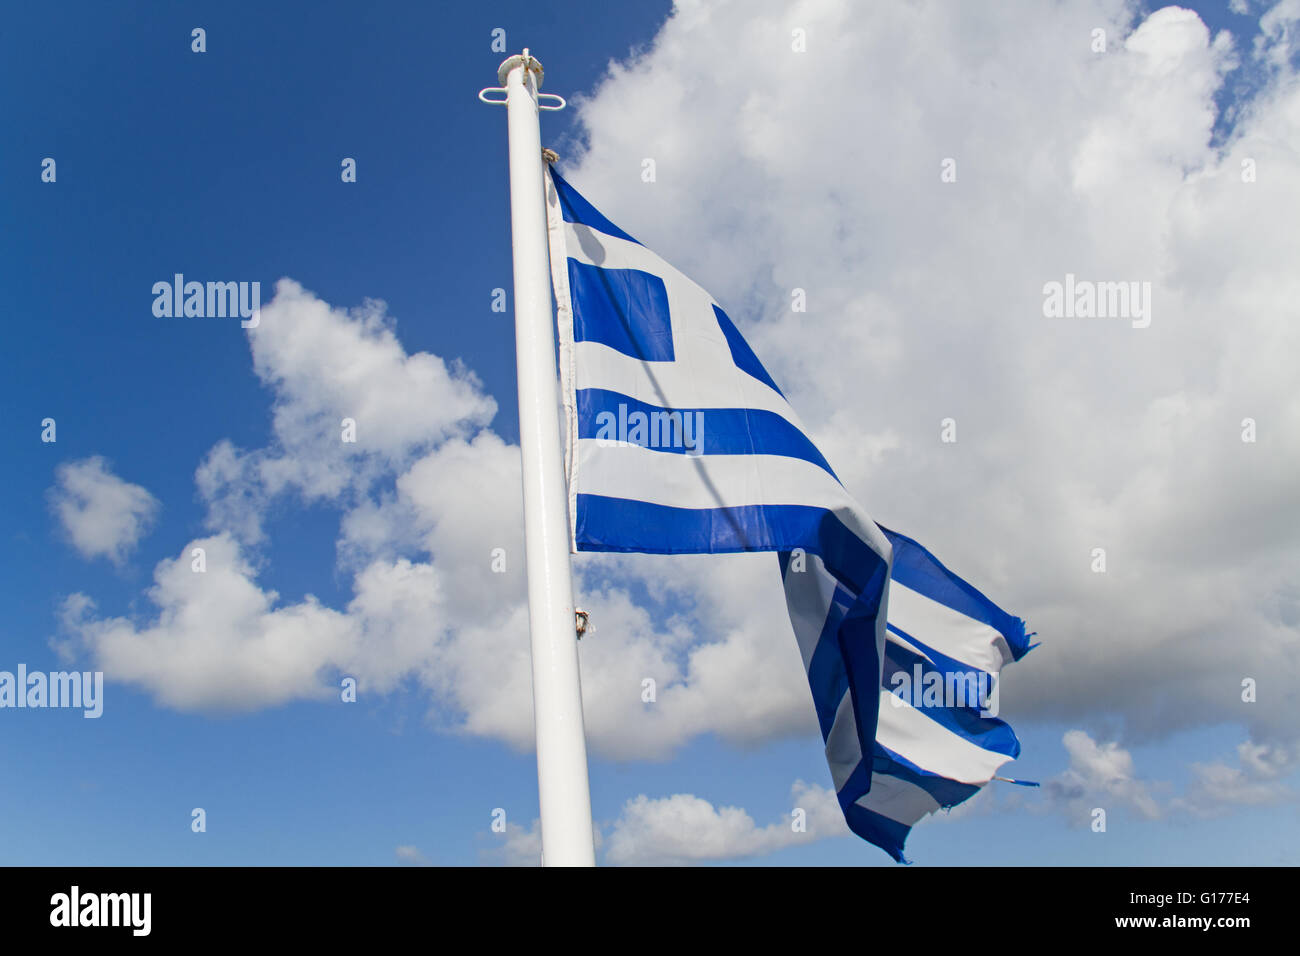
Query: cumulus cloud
[[684, 828], [1099, 775], [925, 301], [520, 846], [218, 641], [439, 588], [1104, 775], [1258, 780], [325, 367], [1279, 39], [102, 515], [410, 856]]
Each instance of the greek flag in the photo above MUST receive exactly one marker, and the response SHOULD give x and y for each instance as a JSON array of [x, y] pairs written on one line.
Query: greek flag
[[679, 441]]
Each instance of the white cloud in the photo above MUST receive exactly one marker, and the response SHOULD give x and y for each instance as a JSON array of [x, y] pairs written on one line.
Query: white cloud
[[221, 642], [427, 603], [520, 846], [1279, 39], [218, 642], [1099, 775], [821, 171], [1104, 775], [324, 366], [410, 856], [102, 515], [1218, 788], [684, 828]]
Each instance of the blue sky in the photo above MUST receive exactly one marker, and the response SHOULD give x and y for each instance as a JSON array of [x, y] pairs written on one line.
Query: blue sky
[[225, 165]]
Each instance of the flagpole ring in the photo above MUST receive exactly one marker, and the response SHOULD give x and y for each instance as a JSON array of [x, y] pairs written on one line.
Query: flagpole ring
[[527, 61]]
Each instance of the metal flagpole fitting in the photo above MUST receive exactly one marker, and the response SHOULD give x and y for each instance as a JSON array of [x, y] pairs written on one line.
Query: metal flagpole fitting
[[564, 794], [527, 61], [545, 101]]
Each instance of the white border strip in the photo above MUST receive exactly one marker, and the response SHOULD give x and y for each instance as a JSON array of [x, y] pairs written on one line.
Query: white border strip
[[555, 234]]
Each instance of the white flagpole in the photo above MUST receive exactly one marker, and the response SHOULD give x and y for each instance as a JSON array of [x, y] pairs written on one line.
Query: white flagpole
[[563, 789]]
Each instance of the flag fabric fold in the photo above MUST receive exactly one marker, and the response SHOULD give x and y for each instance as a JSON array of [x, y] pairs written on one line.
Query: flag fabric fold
[[679, 441]]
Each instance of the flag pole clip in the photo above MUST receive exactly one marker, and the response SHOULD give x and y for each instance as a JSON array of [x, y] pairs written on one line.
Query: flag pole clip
[[496, 95]]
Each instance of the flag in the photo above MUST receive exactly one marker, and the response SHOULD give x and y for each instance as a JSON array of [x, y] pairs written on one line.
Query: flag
[[679, 441], [938, 738]]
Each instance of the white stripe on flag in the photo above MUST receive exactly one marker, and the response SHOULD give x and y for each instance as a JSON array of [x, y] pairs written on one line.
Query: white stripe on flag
[[843, 752], [600, 366], [808, 595], [912, 735], [586, 245], [898, 799], [950, 632], [718, 481]]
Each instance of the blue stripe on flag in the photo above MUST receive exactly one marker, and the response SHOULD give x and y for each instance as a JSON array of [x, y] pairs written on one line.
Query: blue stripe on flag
[[726, 431], [846, 655], [965, 721], [918, 569], [827, 678], [889, 835], [940, 659], [741, 353], [946, 792], [624, 524]]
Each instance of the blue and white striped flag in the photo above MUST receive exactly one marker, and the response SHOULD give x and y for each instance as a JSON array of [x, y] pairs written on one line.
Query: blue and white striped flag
[[938, 738], [678, 441]]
